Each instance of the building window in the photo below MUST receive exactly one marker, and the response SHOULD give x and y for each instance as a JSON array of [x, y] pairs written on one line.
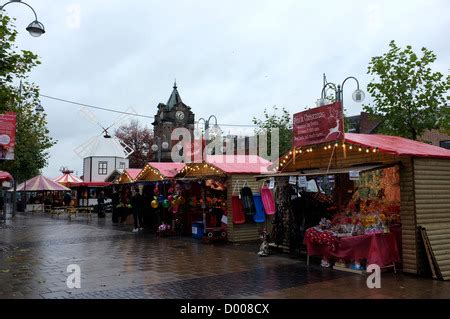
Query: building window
[[102, 168], [122, 165], [445, 144]]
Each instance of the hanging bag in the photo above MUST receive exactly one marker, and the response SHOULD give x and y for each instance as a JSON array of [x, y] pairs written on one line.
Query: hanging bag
[[247, 200], [236, 206]]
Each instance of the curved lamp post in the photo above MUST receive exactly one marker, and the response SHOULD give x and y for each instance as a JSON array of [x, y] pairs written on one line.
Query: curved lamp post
[[357, 96], [35, 28], [207, 125]]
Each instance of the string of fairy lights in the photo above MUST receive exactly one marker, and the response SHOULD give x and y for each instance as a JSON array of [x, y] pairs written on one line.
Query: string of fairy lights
[[198, 167], [150, 169], [327, 146]]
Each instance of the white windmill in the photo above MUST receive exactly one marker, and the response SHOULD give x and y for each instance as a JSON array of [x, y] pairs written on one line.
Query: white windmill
[[104, 153]]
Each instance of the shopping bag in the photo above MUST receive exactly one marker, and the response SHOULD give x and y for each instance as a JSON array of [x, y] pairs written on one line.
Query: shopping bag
[[268, 201], [260, 216]]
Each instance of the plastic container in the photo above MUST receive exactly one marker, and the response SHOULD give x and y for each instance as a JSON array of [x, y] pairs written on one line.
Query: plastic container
[[197, 230]]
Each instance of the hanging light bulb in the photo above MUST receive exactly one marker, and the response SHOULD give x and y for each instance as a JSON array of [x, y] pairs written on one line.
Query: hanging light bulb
[[336, 145], [367, 150], [350, 147], [324, 147], [374, 150], [360, 149]]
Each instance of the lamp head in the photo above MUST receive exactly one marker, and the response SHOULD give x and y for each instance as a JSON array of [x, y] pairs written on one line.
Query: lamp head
[[358, 96], [39, 108], [36, 29]]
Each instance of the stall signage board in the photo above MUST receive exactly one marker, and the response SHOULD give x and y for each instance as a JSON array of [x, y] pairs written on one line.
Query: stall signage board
[[354, 175], [319, 125], [302, 181], [292, 180], [7, 135]]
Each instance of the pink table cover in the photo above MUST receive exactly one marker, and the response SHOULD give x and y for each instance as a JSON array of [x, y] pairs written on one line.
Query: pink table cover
[[380, 249]]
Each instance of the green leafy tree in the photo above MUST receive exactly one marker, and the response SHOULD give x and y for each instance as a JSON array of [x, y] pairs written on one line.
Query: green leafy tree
[[408, 96], [282, 122], [32, 135]]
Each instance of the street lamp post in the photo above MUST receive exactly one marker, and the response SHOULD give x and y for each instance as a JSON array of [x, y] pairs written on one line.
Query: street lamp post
[[216, 126], [35, 28], [159, 146], [357, 96]]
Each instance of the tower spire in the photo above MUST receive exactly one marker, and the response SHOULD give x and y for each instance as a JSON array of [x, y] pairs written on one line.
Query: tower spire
[[174, 98]]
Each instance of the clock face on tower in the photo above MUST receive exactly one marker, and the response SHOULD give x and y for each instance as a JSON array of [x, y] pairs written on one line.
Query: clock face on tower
[[179, 115]]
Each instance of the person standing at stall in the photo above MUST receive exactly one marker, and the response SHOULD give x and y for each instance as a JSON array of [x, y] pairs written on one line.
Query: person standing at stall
[[137, 208], [115, 200], [101, 204]]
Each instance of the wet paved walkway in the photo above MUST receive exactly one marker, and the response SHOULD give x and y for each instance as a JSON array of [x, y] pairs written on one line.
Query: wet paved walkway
[[35, 251]]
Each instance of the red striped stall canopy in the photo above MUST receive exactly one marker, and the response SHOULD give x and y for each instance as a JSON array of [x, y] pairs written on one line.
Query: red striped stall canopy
[[68, 178], [40, 183]]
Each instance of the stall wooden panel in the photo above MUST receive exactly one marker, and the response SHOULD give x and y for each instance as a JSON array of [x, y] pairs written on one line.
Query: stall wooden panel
[[432, 194], [408, 218], [250, 230]]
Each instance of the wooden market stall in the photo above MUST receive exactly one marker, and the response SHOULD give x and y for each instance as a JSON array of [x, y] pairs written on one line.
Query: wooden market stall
[[424, 185], [234, 172], [156, 182]]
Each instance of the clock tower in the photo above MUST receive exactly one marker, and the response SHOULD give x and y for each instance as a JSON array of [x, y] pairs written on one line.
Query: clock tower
[[174, 114]]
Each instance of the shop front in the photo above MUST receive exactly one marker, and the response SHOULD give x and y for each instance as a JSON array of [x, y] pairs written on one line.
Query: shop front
[[360, 201], [213, 187]]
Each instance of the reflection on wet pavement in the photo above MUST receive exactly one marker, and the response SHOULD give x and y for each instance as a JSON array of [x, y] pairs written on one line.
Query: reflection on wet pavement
[[115, 263]]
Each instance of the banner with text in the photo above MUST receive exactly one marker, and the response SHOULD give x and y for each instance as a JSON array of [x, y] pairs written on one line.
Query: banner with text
[[7, 135], [319, 125]]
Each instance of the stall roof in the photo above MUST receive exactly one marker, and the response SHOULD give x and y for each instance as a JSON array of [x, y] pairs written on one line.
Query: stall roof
[[239, 164], [132, 172], [114, 175], [333, 171], [167, 169], [5, 176], [40, 183], [397, 145], [67, 177]]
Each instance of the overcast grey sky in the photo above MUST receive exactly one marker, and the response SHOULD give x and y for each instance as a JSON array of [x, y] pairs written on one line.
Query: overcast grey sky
[[230, 58]]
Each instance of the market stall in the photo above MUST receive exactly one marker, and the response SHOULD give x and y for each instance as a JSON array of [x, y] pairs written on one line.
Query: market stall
[[157, 184], [214, 187], [38, 192], [363, 199], [86, 193]]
